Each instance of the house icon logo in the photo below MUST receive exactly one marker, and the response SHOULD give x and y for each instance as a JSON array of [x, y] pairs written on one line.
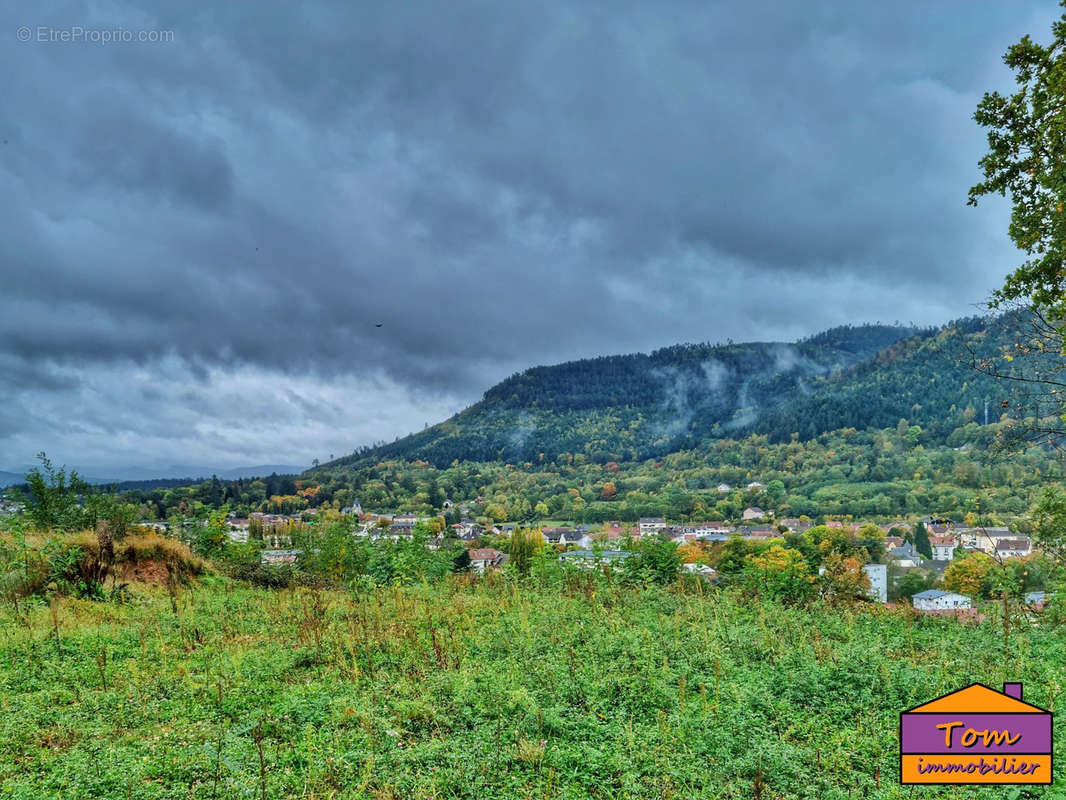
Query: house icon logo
[[976, 735]]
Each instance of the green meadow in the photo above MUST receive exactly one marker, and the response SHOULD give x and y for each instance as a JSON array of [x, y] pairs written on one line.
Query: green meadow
[[467, 688]]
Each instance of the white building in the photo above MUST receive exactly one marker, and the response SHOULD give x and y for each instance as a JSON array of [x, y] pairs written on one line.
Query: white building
[[943, 547], [649, 526], [486, 558], [704, 571], [878, 575], [1013, 548], [982, 538], [938, 600]]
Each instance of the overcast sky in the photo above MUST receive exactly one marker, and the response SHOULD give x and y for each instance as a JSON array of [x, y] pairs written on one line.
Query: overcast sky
[[201, 234]]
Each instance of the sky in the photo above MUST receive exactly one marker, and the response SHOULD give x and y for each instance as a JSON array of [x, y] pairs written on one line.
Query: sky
[[271, 232]]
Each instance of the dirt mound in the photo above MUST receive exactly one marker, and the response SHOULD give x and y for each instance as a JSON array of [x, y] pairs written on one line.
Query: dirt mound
[[148, 571]]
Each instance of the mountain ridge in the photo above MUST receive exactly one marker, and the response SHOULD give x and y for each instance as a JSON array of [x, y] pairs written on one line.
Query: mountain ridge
[[639, 406]]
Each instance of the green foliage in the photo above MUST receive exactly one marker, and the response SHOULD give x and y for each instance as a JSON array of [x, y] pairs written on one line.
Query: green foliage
[[911, 584], [53, 502], [210, 539], [522, 548], [1049, 522], [658, 561], [1025, 159], [463, 689], [921, 540], [780, 574]]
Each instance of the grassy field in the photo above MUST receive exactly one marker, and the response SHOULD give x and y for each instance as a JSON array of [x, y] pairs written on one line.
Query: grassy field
[[482, 690]]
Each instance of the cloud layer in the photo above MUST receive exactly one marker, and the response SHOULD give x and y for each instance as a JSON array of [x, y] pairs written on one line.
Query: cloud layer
[[212, 227]]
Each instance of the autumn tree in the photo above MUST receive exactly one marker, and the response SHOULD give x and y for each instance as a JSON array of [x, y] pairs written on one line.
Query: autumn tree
[[781, 574], [843, 580], [496, 512], [969, 575]]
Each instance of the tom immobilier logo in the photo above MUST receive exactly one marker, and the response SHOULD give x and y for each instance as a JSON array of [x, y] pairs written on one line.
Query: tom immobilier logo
[[976, 735]]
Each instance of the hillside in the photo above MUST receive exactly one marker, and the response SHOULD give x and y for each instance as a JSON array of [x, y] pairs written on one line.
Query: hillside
[[873, 421], [633, 407]]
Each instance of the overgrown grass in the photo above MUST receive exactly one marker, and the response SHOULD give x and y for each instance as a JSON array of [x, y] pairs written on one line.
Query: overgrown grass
[[482, 690]]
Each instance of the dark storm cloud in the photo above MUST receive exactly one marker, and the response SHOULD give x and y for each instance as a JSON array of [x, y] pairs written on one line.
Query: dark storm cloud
[[499, 185]]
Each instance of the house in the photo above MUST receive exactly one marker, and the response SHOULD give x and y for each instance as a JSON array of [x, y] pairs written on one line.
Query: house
[[943, 547], [753, 512], [939, 600], [711, 531], [878, 575], [398, 530], [711, 528], [893, 541], [238, 531], [904, 555], [485, 558], [1013, 548], [649, 526], [971, 731], [723, 488], [758, 533], [1037, 599], [704, 571], [795, 525], [755, 486], [279, 556], [562, 536], [983, 539], [675, 534], [588, 559]]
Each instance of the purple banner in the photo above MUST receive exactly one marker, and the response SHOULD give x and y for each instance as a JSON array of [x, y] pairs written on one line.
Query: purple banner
[[975, 733]]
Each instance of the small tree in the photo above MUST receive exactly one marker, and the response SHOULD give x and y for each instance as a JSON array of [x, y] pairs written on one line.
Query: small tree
[[921, 541], [53, 500], [524, 544], [659, 561], [910, 584]]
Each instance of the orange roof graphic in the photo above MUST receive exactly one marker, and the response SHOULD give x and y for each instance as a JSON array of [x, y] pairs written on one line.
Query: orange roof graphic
[[977, 698]]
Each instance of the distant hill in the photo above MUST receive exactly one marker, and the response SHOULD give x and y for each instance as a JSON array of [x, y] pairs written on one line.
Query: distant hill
[[633, 407], [11, 478], [143, 477]]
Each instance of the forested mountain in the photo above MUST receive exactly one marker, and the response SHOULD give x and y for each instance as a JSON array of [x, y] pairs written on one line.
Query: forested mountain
[[633, 407]]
